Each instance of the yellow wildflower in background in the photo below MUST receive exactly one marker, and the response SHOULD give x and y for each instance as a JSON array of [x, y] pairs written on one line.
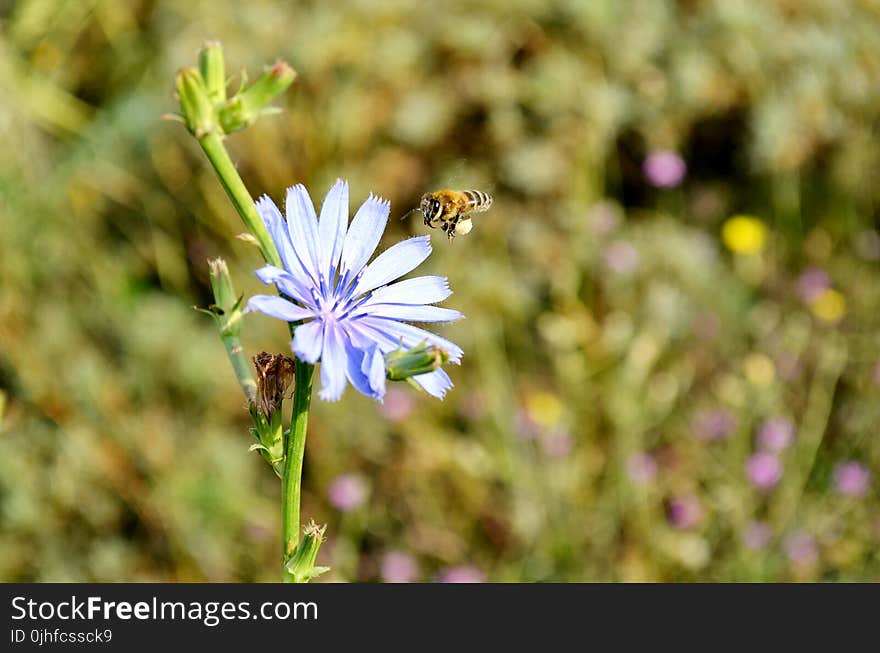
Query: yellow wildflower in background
[[759, 370], [743, 234], [545, 409], [830, 306]]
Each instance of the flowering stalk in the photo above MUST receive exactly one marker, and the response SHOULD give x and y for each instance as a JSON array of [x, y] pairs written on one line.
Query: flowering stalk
[[351, 315], [209, 116]]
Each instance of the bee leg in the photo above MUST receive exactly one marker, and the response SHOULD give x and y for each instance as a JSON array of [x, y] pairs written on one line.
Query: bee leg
[[450, 227]]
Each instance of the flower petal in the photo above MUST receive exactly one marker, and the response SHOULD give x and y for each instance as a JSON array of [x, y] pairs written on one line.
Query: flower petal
[[412, 313], [286, 283], [374, 367], [277, 307], [358, 379], [435, 383], [276, 227], [365, 338], [363, 234], [308, 341], [332, 227], [302, 224], [394, 262], [357, 375], [388, 334], [419, 290], [333, 363]]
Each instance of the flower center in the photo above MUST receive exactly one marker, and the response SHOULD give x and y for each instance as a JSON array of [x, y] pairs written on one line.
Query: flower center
[[338, 308], [339, 302]]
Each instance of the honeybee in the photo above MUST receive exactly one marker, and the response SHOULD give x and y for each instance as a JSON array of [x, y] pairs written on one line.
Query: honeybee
[[451, 209]]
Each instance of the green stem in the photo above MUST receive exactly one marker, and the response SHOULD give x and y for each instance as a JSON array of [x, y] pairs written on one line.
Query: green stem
[[212, 144], [295, 448]]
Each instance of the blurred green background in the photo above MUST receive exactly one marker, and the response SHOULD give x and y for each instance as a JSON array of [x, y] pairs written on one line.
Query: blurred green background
[[646, 394]]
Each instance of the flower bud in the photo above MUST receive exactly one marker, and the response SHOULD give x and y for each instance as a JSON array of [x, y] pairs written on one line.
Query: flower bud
[[402, 363], [243, 109], [221, 283], [301, 564], [226, 309], [195, 105], [213, 71]]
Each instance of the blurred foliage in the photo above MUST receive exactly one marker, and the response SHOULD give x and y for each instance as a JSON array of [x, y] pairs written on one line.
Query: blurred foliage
[[606, 318]]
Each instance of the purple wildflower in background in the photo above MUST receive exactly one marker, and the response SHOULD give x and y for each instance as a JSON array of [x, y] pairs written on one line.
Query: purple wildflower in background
[[557, 442], [801, 549], [621, 257], [775, 434], [347, 492], [351, 316], [464, 574], [525, 426], [664, 169], [812, 283], [764, 470], [641, 467], [684, 512], [852, 479], [398, 567], [757, 535], [398, 405], [713, 424]]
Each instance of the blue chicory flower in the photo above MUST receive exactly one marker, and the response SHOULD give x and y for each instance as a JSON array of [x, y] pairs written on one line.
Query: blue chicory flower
[[350, 314]]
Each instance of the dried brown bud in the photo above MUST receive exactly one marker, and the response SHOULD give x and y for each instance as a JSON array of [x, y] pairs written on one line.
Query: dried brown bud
[[274, 376]]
